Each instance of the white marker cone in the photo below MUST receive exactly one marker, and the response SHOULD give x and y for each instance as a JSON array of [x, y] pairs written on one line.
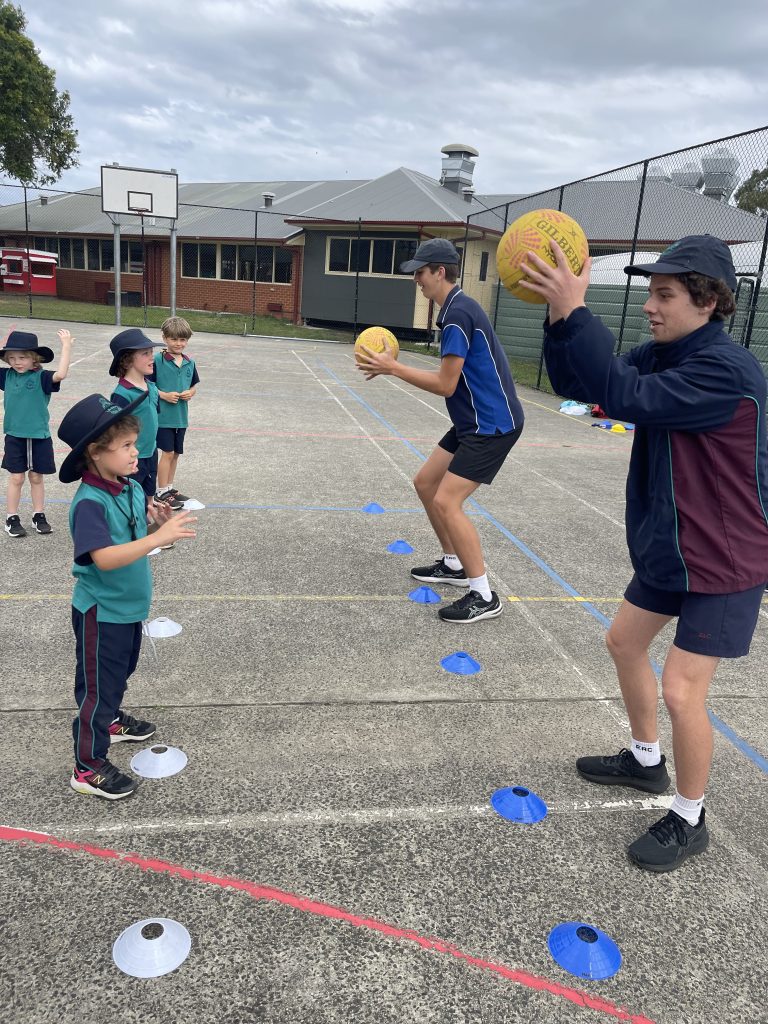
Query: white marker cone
[[158, 762], [151, 947]]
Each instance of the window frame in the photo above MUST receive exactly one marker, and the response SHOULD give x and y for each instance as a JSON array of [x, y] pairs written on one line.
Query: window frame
[[371, 241]]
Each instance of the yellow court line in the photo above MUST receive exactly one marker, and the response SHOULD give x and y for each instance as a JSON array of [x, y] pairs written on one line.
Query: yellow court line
[[313, 597], [583, 600]]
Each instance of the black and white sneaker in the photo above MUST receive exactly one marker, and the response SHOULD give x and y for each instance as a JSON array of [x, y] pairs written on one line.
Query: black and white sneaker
[[472, 608], [126, 728], [168, 499], [439, 572], [178, 495], [623, 769], [107, 782], [41, 523], [669, 842], [14, 528]]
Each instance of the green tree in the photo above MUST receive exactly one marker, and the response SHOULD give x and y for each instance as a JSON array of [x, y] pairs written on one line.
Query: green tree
[[38, 141], [753, 194]]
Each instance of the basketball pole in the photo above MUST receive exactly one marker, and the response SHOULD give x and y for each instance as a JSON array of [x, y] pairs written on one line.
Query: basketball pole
[[143, 269]]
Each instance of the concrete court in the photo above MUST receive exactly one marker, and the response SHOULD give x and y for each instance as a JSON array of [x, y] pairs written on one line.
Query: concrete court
[[333, 759]]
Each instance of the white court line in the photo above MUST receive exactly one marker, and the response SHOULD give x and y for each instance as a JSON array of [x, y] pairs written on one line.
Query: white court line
[[96, 352], [354, 419], [366, 816]]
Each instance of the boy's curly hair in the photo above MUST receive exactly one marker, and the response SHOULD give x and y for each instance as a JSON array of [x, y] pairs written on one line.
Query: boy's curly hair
[[703, 289], [127, 425]]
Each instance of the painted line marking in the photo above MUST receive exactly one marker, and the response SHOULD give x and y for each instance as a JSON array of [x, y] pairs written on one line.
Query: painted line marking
[[297, 597], [326, 910]]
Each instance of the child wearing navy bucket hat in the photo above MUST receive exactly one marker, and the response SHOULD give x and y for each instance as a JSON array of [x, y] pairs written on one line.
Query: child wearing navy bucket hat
[[28, 444], [113, 583]]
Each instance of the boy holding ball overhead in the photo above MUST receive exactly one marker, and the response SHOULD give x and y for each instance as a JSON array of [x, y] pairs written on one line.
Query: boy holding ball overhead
[[475, 380]]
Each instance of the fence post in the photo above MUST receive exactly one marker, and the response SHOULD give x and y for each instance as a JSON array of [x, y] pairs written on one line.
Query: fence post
[[756, 293], [498, 283], [29, 258], [255, 265], [464, 254], [632, 255], [172, 267], [357, 276]]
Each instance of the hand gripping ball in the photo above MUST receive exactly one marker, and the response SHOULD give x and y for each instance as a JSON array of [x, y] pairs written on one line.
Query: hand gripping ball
[[533, 232], [374, 339]]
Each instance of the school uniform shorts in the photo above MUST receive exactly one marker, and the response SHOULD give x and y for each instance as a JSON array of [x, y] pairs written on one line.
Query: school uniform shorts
[[478, 457], [24, 453]]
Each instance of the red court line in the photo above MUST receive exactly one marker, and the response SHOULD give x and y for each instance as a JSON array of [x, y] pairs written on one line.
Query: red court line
[[308, 906]]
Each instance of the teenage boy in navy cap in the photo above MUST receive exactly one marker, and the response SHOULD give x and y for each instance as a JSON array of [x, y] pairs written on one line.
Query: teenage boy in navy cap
[[132, 363], [475, 380], [113, 584], [28, 444], [696, 509]]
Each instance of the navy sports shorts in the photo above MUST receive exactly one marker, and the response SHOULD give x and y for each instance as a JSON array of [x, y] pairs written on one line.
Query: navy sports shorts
[[171, 439], [718, 625], [478, 457], [23, 453], [146, 475]]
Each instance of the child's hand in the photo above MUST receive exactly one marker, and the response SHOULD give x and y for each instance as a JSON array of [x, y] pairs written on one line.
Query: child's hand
[[185, 395], [11, 329], [171, 396], [176, 528], [159, 511], [65, 337]]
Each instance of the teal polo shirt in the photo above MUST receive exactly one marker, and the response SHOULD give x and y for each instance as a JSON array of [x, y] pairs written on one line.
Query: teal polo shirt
[[170, 377], [100, 517], [146, 413], [25, 405]]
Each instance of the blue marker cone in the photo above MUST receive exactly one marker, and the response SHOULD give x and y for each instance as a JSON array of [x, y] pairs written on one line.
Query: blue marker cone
[[425, 595], [400, 547], [461, 663], [584, 950], [516, 803], [373, 508]]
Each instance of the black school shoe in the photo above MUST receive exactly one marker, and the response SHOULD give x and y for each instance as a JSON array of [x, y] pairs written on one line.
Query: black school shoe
[[472, 608], [178, 495], [623, 769], [668, 843], [125, 728], [107, 782], [439, 572], [14, 528], [167, 498], [41, 523]]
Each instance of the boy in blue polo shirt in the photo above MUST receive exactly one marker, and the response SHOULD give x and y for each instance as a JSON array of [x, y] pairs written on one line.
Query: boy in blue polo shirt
[[113, 584], [175, 375], [476, 382], [28, 444]]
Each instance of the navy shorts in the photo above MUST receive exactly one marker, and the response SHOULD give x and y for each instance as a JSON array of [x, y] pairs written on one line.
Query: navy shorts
[[146, 475], [718, 625], [478, 457], [23, 453], [171, 439]]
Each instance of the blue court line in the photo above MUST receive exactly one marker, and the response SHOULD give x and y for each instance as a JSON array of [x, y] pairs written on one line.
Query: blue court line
[[722, 727]]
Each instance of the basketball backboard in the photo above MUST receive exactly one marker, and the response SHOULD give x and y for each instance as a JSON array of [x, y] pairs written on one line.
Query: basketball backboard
[[135, 190]]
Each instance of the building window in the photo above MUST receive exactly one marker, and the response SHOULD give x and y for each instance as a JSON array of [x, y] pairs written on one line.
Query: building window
[[78, 254], [483, 266], [229, 262], [264, 263], [380, 256]]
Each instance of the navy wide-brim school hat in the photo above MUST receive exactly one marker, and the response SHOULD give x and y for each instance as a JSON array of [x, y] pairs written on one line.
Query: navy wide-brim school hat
[[694, 254], [23, 341], [131, 340], [85, 422]]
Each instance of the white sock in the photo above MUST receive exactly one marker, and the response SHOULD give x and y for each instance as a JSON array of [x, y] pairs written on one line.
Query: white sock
[[480, 584], [688, 809], [452, 562], [648, 754]]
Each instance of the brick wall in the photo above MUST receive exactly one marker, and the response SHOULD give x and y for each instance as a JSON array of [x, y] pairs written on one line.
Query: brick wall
[[81, 285]]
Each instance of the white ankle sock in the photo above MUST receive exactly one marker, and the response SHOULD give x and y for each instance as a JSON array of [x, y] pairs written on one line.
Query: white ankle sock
[[452, 562], [688, 809], [648, 754], [480, 584]]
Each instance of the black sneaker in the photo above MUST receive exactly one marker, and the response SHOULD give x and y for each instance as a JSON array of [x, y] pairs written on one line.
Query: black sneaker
[[669, 842], [439, 572], [168, 499], [14, 528], [472, 608], [41, 523], [125, 728], [107, 782], [178, 495], [623, 769]]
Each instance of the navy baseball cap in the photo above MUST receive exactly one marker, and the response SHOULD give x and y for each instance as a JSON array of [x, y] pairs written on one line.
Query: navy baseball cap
[[694, 254], [434, 250], [126, 341], [84, 423]]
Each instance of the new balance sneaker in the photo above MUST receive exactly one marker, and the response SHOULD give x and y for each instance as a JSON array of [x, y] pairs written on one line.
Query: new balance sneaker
[[623, 769], [41, 523], [669, 842], [439, 572], [168, 499], [107, 782], [126, 729], [178, 495], [472, 608], [14, 528]]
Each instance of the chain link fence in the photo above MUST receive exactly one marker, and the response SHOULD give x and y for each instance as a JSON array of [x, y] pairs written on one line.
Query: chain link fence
[[631, 214]]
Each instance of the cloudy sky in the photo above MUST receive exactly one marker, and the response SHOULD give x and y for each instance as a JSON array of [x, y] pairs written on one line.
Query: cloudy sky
[[546, 90]]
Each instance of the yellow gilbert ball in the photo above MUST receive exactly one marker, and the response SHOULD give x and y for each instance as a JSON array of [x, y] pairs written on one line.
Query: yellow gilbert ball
[[374, 339], [532, 233]]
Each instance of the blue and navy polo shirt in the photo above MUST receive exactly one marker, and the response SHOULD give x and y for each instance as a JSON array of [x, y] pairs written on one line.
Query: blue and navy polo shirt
[[172, 377], [101, 515], [485, 400], [26, 401], [146, 413]]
